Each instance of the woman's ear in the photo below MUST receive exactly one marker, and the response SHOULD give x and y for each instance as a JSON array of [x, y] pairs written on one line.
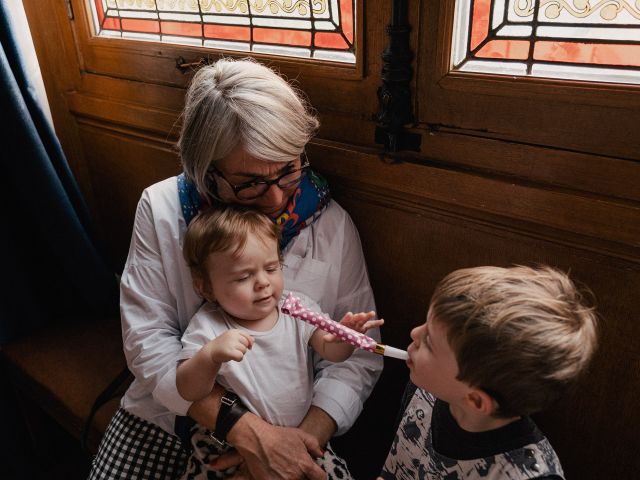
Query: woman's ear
[[481, 402]]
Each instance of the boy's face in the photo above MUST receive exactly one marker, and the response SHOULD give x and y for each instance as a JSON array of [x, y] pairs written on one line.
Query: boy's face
[[432, 362], [247, 286]]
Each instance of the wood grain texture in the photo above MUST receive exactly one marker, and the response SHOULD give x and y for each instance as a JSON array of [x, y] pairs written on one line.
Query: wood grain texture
[[502, 178]]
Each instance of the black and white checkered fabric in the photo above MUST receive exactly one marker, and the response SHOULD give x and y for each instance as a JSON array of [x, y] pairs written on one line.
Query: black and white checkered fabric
[[133, 448]]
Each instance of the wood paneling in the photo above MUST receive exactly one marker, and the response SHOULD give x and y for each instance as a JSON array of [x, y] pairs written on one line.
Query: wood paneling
[[597, 118], [410, 249], [122, 165], [481, 191], [597, 223]]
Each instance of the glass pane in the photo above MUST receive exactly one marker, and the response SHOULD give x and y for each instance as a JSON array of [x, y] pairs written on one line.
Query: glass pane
[[322, 29], [595, 40]]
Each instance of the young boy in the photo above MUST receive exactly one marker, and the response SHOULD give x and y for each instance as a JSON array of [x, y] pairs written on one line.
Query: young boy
[[498, 345], [240, 338]]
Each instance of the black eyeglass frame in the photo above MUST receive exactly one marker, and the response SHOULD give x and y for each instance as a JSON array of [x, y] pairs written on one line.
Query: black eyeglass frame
[[213, 170]]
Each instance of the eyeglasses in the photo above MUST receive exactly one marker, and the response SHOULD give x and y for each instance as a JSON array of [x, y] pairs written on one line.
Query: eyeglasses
[[257, 188]]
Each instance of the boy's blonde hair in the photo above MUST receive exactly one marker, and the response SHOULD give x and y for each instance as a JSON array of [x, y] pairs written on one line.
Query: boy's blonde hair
[[222, 229], [521, 334]]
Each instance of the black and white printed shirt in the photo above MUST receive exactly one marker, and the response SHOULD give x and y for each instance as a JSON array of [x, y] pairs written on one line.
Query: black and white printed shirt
[[429, 444]]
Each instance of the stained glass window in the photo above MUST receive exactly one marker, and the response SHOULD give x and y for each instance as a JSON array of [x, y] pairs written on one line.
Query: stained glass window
[[321, 29], [596, 40]]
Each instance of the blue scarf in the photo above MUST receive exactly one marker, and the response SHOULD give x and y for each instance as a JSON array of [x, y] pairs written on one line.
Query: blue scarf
[[305, 205]]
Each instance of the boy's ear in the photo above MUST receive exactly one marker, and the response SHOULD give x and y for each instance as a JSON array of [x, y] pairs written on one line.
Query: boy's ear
[[481, 402]]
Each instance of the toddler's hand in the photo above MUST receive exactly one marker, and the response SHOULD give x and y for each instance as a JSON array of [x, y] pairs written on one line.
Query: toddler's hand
[[231, 345], [360, 322]]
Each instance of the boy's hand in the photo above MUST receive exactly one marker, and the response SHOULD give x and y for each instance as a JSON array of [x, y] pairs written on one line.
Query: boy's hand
[[360, 322], [231, 345]]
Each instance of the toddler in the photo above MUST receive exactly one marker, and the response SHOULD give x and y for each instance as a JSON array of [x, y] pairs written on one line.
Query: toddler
[[239, 338]]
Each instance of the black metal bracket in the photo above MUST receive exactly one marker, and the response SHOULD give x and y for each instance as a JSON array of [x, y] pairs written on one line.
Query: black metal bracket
[[394, 95]]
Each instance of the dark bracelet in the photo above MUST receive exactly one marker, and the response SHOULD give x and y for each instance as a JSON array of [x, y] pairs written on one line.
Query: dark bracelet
[[231, 409]]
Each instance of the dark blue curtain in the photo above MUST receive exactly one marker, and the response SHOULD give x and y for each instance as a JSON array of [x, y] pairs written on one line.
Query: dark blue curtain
[[50, 261]]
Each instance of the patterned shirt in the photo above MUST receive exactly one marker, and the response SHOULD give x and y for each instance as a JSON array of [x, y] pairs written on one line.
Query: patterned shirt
[[486, 455]]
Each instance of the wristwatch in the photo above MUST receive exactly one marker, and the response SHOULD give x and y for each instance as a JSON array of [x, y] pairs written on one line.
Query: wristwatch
[[231, 409]]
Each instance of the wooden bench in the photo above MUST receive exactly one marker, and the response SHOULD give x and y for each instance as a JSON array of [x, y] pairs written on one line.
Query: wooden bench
[[63, 368]]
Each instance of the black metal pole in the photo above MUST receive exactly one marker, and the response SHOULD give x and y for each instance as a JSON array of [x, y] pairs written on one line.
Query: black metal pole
[[394, 95]]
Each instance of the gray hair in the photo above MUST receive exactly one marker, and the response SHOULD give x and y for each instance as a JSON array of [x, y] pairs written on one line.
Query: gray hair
[[241, 102]]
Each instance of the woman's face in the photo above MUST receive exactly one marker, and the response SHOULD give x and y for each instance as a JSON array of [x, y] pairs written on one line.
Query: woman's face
[[239, 167]]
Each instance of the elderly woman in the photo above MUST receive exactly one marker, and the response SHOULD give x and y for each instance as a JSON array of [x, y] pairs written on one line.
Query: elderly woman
[[242, 142]]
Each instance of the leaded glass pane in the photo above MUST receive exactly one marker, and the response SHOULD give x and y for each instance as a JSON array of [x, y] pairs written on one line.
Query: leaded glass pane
[[595, 40], [322, 29]]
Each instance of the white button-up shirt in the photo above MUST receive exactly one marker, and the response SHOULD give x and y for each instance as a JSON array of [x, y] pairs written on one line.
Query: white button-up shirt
[[157, 300]]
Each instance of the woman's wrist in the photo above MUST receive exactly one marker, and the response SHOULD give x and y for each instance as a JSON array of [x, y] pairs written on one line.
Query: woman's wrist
[[245, 430], [231, 411], [318, 423]]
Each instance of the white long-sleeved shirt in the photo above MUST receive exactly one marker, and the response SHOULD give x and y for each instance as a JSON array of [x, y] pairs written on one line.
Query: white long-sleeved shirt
[[157, 300]]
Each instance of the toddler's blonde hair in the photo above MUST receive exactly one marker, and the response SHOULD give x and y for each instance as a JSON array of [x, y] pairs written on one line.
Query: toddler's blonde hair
[[221, 229]]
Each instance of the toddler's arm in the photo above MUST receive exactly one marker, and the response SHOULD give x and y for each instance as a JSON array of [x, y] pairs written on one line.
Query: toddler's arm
[[331, 348], [195, 376]]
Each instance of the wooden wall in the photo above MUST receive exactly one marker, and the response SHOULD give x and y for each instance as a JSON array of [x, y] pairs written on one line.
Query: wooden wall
[[420, 216], [412, 239]]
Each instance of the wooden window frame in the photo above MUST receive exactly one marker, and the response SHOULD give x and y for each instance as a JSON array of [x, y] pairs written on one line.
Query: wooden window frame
[[580, 136], [158, 63], [343, 94], [444, 98]]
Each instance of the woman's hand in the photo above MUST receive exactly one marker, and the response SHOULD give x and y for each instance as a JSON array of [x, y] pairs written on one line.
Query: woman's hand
[[268, 452], [231, 345]]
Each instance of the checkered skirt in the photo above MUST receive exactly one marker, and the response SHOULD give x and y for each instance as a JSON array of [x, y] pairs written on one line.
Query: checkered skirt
[[134, 448]]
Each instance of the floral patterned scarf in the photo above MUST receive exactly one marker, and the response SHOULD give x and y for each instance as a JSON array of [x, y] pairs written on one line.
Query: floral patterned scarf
[[306, 204]]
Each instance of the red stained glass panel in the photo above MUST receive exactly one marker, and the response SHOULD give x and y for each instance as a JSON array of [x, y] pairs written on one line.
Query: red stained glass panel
[[227, 32], [596, 41], [280, 36], [480, 24], [597, 54], [330, 40], [306, 28], [515, 49], [182, 29]]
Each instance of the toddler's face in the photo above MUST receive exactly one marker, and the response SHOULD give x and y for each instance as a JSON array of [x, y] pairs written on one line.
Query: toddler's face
[[432, 362], [247, 286]]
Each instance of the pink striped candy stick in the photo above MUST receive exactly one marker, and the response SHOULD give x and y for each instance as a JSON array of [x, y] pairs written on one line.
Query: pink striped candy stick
[[293, 307]]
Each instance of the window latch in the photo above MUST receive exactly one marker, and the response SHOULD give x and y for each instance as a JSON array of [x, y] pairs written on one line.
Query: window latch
[[185, 67], [394, 95]]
